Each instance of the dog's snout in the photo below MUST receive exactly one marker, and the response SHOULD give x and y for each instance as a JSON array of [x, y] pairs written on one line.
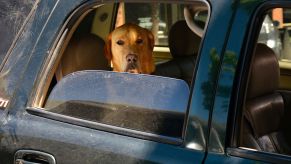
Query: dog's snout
[[131, 58]]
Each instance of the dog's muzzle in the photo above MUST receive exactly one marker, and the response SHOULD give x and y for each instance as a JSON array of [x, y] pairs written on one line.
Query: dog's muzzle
[[132, 63]]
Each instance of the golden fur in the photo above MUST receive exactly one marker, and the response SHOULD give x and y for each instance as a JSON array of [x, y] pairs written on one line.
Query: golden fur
[[130, 49]]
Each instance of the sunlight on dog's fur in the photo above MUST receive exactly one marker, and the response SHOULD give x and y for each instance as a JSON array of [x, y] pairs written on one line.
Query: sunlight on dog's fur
[[130, 49]]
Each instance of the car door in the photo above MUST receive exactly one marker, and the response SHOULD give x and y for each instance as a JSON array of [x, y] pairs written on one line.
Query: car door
[[29, 134], [247, 33]]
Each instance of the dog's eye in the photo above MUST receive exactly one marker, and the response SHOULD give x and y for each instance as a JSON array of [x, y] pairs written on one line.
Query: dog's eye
[[139, 41], [120, 42]]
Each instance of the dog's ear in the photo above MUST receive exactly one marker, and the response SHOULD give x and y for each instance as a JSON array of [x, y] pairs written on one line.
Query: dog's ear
[[107, 48], [151, 39]]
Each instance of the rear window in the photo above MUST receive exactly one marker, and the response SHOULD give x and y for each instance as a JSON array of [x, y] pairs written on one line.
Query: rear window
[[158, 17]]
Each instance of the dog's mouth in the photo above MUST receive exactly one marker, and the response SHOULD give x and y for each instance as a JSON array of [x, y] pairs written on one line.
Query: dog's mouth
[[132, 63], [134, 71], [132, 68]]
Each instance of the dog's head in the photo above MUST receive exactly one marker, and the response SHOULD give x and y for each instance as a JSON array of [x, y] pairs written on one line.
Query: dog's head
[[130, 49]]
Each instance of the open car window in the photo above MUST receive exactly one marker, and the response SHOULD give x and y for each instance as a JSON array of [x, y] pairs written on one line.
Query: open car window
[[84, 82]]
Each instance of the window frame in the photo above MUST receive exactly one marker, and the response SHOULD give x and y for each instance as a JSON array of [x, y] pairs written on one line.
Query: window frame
[[240, 84], [46, 68]]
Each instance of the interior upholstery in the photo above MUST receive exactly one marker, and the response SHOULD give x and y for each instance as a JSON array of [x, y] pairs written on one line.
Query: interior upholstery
[[84, 52], [264, 108], [183, 50], [265, 72]]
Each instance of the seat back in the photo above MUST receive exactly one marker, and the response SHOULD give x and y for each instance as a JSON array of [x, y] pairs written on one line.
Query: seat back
[[84, 52], [184, 45], [264, 107]]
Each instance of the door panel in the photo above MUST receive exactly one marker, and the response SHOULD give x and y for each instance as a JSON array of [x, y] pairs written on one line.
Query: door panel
[[74, 144], [249, 27]]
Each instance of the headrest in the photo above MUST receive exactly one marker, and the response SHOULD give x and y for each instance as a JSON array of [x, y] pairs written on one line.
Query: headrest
[[265, 72], [183, 41]]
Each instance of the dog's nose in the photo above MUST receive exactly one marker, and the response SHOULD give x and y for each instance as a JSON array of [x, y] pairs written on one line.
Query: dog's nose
[[131, 58]]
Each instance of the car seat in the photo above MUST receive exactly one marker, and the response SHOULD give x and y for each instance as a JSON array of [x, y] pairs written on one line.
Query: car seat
[[84, 52], [184, 45], [264, 106]]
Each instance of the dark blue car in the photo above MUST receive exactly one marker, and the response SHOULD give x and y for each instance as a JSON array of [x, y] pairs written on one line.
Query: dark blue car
[[220, 92]]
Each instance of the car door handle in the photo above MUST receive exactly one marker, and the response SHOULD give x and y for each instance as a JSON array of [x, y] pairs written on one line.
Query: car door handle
[[33, 157]]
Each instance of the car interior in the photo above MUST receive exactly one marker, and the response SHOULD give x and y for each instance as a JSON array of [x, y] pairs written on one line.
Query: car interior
[[184, 53], [81, 54], [266, 112], [84, 50]]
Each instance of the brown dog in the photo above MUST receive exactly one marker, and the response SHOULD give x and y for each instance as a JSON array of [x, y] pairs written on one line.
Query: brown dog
[[130, 49]]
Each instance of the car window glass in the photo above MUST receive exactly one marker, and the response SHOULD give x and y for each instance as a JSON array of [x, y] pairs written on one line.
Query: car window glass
[[266, 112], [158, 17], [91, 81], [275, 33]]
